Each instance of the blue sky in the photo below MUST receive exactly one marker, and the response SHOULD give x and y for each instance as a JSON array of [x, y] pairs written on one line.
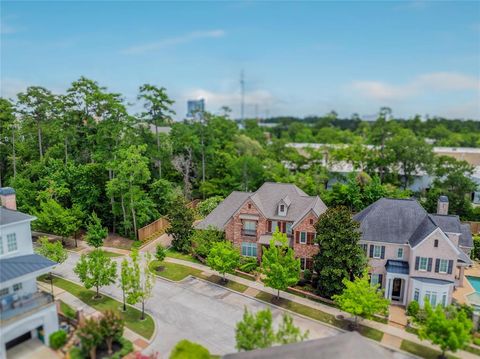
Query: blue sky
[[299, 58]]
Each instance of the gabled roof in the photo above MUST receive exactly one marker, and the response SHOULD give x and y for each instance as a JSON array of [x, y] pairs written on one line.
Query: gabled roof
[[266, 199], [341, 346], [15, 267], [404, 221], [8, 216]]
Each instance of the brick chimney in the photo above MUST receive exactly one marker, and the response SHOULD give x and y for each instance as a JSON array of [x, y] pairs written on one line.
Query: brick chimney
[[442, 205], [8, 198]]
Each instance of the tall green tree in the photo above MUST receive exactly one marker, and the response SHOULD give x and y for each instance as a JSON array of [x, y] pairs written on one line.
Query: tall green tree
[[223, 258], [279, 265], [255, 331], [181, 220], [360, 298], [340, 256], [90, 336], [111, 328], [449, 328], [185, 349], [95, 269], [158, 111], [52, 250], [96, 233], [141, 280]]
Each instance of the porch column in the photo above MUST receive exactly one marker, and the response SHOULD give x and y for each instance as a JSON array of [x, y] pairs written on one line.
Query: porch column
[[388, 292], [461, 276]]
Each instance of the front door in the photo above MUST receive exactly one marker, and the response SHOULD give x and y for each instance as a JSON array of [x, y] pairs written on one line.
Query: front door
[[396, 289]]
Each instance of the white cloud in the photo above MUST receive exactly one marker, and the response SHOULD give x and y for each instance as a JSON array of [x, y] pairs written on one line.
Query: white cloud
[[432, 82], [10, 87], [142, 48]]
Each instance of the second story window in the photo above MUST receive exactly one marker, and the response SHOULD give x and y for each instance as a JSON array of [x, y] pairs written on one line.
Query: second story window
[[17, 287], [4, 292], [12, 242], [435, 243], [250, 228], [303, 237], [423, 264], [400, 253], [377, 251]]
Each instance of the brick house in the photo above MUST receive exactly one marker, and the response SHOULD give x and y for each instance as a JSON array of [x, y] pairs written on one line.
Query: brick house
[[412, 254], [249, 219]]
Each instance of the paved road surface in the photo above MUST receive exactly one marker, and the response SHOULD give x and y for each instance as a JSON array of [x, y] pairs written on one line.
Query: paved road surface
[[198, 311]]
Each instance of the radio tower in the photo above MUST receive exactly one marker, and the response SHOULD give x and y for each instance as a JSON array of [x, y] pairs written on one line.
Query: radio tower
[[242, 96]]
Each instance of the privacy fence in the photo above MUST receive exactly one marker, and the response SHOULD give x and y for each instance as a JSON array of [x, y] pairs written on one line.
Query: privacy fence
[[156, 228]]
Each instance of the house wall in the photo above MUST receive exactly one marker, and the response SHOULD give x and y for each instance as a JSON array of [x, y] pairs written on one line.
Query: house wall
[[305, 250], [24, 239], [233, 229]]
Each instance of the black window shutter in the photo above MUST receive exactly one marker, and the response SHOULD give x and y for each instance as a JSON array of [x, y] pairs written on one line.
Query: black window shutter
[[450, 266], [429, 268], [417, 261], [383, 252], [437, 265], [371, 250], [380, 280]]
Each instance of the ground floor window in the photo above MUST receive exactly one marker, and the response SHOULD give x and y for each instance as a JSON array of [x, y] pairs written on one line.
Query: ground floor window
[[17, 287], [375, 279], [249, 249], [416, 295], [3, 292]]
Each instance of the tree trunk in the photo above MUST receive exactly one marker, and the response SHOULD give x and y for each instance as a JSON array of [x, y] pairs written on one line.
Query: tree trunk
[[112, 203], [39, 131], [124, 212], [278, 293], [158, 151], [143, 309], [124, 304], [109, 341], [133, 215], [98, 292], [93, 353]]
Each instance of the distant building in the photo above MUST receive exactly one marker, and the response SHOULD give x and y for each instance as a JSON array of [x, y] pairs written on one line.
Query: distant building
[[195, 107], [25, 312]]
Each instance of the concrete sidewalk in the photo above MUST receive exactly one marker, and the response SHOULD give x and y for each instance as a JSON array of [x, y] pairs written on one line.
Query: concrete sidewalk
[[138, 341], [394, 335]]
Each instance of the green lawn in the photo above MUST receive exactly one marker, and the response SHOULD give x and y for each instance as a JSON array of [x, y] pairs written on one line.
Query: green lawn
[[67, 310], [131, 316], [172, 253], [173, 271], [421, 351], [244, 276], [318, 315], [237, 287]]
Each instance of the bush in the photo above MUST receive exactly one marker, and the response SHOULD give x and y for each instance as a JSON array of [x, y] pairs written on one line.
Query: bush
[[413, 308], [203, 240], [476, 247], [76, 353], [307, 275], [160, 253], [248, 264], [188, 350], [476, 341], [127, 348], [58, 339]]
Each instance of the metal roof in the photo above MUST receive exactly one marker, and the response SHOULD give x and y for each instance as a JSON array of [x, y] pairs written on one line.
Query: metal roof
[[15, 267], [432, 280], [394, 266], [8, 216], [6, 191]]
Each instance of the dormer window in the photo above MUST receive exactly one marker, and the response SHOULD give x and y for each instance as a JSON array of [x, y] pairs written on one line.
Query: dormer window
[[283, 206]]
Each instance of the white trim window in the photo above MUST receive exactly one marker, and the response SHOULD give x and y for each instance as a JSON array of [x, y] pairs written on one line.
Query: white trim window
[[377, 252], [374, 279], [400, 253], [303, 237], [443, 266], [4, 292], [423, 264], [249, 249], [250, 228], [416, 295], [17, 287], [303, 263], [12, 242]]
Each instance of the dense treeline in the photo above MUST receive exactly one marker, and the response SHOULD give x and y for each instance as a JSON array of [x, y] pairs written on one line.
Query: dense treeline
[[82, 152]]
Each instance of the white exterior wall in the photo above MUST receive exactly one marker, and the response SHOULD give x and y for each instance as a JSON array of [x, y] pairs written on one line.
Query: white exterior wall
[[46, 317], [24, 239]]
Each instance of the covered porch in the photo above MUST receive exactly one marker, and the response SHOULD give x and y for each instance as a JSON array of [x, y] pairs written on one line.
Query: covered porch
[[396, 281]]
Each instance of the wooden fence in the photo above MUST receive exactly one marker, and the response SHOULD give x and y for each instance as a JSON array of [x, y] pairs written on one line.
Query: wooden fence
[[157, 227], [475, 227]]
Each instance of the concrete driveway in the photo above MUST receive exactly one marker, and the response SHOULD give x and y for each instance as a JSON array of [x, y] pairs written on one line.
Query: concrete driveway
[[198, 311]]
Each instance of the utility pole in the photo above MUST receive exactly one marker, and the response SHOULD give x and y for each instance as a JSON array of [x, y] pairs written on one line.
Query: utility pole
[[242, 94]]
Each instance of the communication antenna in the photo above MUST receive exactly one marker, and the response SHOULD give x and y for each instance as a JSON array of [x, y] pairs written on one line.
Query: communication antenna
[[242, 94]]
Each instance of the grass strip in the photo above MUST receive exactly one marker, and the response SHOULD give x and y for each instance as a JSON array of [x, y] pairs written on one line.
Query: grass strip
[[67, 310], [172, 253], [421, 351], [131, 317], [318, 315], [112, 254], [237, 287], [172, 271]]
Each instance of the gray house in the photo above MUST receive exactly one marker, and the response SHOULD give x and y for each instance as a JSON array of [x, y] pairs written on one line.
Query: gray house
[[414, 255]]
